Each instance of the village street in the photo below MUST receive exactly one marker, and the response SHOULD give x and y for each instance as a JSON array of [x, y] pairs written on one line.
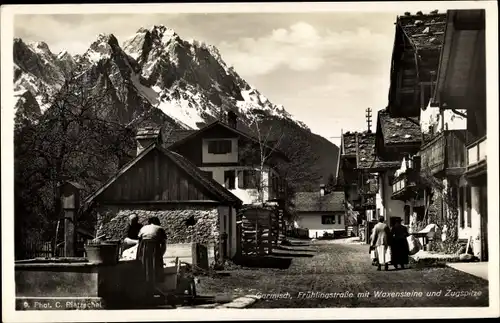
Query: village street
[[346, 269]]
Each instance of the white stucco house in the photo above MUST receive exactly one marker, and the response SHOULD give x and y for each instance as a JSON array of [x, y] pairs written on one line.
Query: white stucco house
[[231, 157], [320, 212]]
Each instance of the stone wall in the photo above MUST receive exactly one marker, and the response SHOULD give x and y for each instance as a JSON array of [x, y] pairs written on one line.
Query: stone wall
[[183, 224]]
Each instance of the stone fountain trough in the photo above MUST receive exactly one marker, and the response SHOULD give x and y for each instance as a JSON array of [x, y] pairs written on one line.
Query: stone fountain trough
[[76, 283]]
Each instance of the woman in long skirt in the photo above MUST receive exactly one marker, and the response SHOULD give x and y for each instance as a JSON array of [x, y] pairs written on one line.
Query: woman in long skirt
[[399, 245], [150, 251]]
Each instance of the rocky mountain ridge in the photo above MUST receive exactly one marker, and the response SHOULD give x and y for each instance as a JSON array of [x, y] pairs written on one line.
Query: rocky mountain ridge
[[154, 74]]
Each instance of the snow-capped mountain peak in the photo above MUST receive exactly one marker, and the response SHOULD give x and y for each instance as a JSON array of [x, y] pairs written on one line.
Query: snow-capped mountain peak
[[40, 47], [163, 33], [63, 54], [155, 76], [187, 80]]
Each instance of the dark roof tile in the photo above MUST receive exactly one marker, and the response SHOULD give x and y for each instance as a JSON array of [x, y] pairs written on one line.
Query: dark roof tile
[[176, 135], [349, 141], [367, 158], [424, 31], [399, 130], [313, 201]]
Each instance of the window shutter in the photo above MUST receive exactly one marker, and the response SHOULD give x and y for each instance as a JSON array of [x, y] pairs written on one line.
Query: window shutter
[[228, 146], [241, 184], [212, 147]]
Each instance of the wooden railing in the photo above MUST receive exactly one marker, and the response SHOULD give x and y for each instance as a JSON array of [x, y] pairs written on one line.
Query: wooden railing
[[445, 151], [476, 152]]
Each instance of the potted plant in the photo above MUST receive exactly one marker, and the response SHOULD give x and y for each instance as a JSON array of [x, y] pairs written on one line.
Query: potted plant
[[102, 251]]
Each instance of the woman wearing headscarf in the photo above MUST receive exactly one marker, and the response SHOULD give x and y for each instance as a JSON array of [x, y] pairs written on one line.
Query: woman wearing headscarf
[[132, 237], [150, 251], [399, 245]]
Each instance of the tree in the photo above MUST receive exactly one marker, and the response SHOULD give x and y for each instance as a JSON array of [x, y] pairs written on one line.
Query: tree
[[72, 140], [275, 136]]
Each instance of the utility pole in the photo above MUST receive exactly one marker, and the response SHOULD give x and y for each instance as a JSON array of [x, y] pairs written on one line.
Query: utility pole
[[369, 118]]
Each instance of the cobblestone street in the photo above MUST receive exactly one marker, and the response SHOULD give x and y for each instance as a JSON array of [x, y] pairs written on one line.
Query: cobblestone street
[[341, 275]]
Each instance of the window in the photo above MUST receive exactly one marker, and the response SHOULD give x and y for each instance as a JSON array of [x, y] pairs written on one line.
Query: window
[[208, 174], [407, 214], [219, 147], [420, 212], [328, 219], [340, 218], [229, 179], [249, 179]]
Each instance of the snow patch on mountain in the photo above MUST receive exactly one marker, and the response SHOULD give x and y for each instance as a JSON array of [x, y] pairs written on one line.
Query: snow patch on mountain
[[187, 80], [39, 89]]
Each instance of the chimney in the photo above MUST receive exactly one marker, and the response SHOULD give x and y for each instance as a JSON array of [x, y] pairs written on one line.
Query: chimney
[[322, 190], [146, 136], [232, 119]]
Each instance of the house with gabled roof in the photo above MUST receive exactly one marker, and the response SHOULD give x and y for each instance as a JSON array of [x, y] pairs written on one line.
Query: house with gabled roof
[[457, 152], [191, 206], [233, 158], [397, 140], [415, 58], [365, 188], [321, 212], [415, 61]]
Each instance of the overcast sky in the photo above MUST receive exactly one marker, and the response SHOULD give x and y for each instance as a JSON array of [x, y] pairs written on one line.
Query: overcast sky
[[325, 68]]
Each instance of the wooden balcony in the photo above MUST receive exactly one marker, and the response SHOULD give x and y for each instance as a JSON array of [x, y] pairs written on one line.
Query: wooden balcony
[[405, 186], [476, 159], [445, 154], [368, 189]]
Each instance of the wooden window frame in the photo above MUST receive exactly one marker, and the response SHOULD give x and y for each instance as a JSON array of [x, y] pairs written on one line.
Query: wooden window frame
[[220, 147]]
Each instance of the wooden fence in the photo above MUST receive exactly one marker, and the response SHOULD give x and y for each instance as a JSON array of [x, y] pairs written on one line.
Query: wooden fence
[[259, 230]]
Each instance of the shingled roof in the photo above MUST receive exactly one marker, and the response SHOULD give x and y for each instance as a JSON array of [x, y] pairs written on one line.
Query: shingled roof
[[176, 135], [349, 143], [314, 202], [367, 158], [397, 131], [425, 31]]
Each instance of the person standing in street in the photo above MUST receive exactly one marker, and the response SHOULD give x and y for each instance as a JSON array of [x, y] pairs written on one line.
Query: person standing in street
[[381, 242], [399, 246]]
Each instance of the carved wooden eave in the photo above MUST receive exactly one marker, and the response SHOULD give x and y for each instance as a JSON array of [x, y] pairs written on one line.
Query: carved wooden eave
[[463, 55], [417, 46]]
